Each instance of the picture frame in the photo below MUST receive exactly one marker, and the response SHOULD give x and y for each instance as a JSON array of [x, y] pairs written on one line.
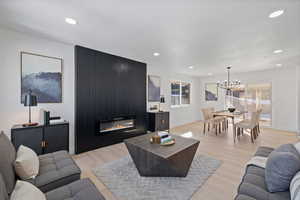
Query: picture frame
[[153, 88], [211, 92], [43, 75]]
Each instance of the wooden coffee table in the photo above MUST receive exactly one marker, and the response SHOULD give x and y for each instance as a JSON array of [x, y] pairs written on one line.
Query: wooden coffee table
[[162, 161]]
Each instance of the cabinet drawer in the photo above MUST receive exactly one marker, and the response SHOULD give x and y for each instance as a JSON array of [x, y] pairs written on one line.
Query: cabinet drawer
[[30, 137], [56, 138], [163, 121]]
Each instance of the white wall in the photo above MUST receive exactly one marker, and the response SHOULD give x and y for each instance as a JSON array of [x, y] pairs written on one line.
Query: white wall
[[178, 115], [284, 94], [298, 98], [284, 86], [11, 110]]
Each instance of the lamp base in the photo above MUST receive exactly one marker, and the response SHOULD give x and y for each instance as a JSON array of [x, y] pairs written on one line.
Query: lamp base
[[30, 124]]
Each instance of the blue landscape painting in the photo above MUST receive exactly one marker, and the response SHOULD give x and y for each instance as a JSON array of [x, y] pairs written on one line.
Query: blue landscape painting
[[43, 76], [211, 92], [153, 88]]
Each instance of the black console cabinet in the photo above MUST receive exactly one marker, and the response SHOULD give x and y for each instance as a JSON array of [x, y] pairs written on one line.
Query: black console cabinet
[[158, 121], [42, 139]]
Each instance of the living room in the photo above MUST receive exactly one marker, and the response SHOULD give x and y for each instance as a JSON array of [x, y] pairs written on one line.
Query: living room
[[169, 70]]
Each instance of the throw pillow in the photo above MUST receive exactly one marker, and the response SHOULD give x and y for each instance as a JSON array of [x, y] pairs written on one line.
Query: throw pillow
[[7, 159], [295, 187], [297, 146], [27, 163], [280, 169], [3, 191], [25, 191], [288, 148]]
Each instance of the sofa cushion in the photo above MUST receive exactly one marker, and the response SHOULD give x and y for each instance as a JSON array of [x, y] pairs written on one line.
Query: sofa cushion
[[7, 162], [3, 191], [27, 163], [56, 169], [80, 190], [297, 146], [280, 169], [290, 148], [25, 191], [253, 187], [263, 151], [295, 187]]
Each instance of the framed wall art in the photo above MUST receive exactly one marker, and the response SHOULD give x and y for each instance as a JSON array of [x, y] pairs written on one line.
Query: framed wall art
[[211, 92], [153, 88], [43, 76]]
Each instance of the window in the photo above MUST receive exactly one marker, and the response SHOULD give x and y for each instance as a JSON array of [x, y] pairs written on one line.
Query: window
[[175, 93], [180, 93]]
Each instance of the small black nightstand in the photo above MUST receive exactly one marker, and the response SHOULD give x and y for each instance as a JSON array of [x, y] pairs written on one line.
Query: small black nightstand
[[42, 138], [158, 121]]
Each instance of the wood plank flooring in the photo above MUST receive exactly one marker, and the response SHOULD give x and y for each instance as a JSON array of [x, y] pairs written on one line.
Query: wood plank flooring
[[222, 185]]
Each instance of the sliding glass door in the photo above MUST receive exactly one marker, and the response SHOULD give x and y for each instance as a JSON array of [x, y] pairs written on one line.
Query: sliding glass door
[[260, 97], [251, 97]]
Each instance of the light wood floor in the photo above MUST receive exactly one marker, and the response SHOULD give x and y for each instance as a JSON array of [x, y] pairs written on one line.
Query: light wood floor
[[222, 185]]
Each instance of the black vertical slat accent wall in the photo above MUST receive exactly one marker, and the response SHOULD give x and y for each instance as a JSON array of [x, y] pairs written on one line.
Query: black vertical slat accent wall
[[106, 86]]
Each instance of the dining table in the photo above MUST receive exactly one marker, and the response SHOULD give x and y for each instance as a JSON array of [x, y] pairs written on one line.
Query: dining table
[[228, 114]]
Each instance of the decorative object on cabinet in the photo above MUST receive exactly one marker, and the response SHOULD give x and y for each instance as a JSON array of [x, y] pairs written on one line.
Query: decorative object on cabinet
[[153, 88], [42, 138], [29, 101], [158, 121], [162, 100], [42, 75]]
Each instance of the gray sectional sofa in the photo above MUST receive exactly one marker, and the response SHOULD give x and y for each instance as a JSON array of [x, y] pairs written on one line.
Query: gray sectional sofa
[[253, 186], [56, 169], [58, 178]]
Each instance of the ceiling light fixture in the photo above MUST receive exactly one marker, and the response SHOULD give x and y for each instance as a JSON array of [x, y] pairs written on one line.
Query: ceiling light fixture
[[278, 51], [278, 65], [156, 54], [191, 67], [276, 13], [228, 84], [209, 74], [70, 21]]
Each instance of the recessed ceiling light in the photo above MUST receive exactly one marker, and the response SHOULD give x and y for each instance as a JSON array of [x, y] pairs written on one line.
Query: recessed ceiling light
[[191, 67], [278, 65], [70, 21], [209, 74], [276, 13], [278, 51], [156, 54]]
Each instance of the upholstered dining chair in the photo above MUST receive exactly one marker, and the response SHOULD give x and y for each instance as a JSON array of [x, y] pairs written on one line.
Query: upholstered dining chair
[[219, 123], [252, 125]]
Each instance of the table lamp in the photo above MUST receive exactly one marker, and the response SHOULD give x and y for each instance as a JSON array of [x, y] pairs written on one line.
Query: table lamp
[[29, 101], [162, 100]]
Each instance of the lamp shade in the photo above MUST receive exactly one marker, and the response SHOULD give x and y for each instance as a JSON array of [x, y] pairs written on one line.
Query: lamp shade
[[30, 99], [162, 99]]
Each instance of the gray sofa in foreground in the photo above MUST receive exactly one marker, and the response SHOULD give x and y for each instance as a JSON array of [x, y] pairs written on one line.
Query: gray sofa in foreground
[[56, 169], [253, 186], [58, 178]]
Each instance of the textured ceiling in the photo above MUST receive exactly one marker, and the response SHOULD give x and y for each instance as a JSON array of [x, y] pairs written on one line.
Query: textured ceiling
[[208, 34]]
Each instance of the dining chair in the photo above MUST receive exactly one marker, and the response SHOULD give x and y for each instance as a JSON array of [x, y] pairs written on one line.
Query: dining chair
[[251, 124], [219, 123]]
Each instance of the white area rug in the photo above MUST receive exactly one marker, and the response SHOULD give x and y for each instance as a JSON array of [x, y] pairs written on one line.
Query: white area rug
[[123, 180]]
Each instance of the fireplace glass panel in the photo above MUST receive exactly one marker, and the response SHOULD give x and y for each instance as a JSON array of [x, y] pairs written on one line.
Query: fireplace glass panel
[[116, 125]]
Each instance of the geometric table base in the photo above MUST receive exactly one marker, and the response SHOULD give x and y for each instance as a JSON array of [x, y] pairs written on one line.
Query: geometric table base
[[156, 165]]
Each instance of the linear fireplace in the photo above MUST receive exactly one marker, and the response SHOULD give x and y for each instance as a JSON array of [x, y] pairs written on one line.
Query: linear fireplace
[[110, 100], [117, 124]]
